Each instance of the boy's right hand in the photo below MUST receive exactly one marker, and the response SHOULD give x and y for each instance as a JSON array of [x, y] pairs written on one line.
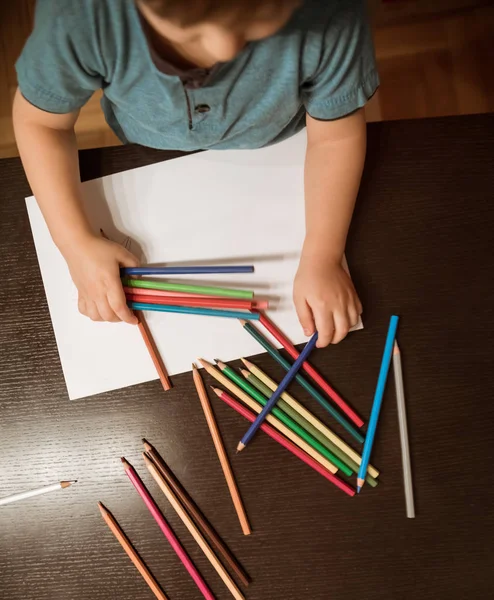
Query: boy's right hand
[[94, 265]]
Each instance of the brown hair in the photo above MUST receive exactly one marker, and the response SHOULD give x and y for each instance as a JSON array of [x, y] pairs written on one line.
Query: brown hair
[[191, 12]]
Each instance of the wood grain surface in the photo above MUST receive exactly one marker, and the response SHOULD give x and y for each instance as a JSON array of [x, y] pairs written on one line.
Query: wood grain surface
[[420, 246]]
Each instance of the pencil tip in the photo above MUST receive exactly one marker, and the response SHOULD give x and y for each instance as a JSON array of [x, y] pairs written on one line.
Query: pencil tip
[[216, 390], [242, 322], [220, 363], [245, 373], [396, 349], [240, 447], [194, 367], [358, 489]]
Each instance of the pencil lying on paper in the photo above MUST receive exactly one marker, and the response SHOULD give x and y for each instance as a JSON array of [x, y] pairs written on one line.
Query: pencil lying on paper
[[194, 512], [271, 431], [153, 352], [273, 352], [207, 302], [378, 398], [309, 369], [131, 552], [185, 287], [275, 422], [166, 529], [344, 448], [221, 452], [187, 270], [186, 310], [193, 530], [402, 420], [43, 490]]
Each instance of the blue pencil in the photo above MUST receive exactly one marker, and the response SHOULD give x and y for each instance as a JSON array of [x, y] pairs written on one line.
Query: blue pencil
[[185, 270], [378, 398], [189, 310], [277, 393]]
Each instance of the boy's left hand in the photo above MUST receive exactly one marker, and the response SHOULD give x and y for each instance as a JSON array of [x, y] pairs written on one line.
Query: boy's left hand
[[325, 300]]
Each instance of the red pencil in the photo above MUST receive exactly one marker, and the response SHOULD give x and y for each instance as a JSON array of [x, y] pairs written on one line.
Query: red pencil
[[153, 352], [166, 529], [202, 302], [321, 382], [286, 443]]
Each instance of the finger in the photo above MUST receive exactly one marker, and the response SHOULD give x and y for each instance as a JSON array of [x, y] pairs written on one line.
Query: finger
[[81, 305], [353, 316], [106, 312], [92, 311], [118, 303], [325, 327], [341, 326], [127, 259], [305, 317]]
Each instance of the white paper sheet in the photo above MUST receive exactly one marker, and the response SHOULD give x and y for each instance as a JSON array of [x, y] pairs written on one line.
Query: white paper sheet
[[215, 207]]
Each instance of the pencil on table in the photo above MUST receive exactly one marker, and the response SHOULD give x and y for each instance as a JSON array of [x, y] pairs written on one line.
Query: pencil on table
[[275, 422], [309, 369], [43, 490], [193, 530], [402, 421], [194, 512], [132, 552], [286, 443], [166, 529], [220, 451], [153, 352]]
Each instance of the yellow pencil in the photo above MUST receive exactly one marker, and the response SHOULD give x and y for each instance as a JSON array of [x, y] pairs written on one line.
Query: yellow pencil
[[314, 421], [276, 423]]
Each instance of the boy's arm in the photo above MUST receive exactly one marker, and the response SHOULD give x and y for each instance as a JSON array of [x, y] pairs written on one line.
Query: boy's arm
[[48, 149], [324, 295]]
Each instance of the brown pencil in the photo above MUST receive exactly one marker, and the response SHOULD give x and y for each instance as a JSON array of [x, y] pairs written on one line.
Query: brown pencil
[[194, 512], [193, 530], [153, 352], [132, 552], [221, 452]]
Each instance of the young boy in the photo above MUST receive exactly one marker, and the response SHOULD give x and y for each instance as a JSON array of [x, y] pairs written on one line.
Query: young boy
[[199, 74]]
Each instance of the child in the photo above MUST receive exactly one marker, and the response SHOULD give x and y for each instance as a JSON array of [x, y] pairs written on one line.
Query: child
[[199, 74]]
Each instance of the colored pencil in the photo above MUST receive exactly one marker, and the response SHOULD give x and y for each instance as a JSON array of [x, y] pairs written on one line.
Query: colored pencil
[[378, 397], [186, 270], [221, 452], [402, 421], [353, 456], [185, 287], [186, 310], [273, 352], [285, 382], [287, 418], [192, 528], [276, 423], [307, 424], [132, 552], [210, 302], [309, 369], [162, 293], [166, 529], [195, 513], [43, 490], [275, 435], [153, 352]]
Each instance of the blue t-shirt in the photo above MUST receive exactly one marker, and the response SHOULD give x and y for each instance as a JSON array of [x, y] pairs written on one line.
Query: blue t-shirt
[[321, 63]]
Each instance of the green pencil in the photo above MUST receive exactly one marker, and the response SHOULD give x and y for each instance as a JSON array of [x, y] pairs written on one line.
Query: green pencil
[[302, 381], [185, 287], [320, 437], [289, 421]]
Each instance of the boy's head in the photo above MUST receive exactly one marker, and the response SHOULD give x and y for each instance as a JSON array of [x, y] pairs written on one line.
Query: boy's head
[[221, 27]]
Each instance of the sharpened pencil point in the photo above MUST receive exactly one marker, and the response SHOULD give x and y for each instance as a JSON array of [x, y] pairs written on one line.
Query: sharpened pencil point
[[358, 489], [221, 364], [396, 348], [124, 462], [242, 322], [245, 373], [247, 363], [240, 447]]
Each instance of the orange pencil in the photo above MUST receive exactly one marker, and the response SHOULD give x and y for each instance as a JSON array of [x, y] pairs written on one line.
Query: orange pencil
[[220, 450], [153, 352], [132, 552]]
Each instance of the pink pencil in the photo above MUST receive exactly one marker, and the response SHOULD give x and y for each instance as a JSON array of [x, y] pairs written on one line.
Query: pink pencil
[[166, 529], [286, 443], [146, 292]]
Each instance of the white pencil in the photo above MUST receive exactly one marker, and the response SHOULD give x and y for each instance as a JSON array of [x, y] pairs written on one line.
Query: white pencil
[[39, 491], [402, 420]]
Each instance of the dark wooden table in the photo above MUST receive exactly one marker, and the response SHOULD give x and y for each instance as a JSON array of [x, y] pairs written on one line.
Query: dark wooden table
[[421, 246]]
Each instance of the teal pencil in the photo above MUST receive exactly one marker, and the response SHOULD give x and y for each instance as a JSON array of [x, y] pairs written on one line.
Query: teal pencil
[[189, 310]]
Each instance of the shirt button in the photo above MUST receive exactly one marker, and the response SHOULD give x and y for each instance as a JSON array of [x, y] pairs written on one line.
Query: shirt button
[[203, 108]]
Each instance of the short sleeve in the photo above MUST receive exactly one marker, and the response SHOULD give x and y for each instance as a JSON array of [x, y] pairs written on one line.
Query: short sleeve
[[343, 74], [59, 69]]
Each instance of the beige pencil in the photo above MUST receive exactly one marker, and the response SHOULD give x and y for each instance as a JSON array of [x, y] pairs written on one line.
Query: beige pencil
[[276, 423], [220, 451], [193, 530], [313, 420], [132, 552]]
